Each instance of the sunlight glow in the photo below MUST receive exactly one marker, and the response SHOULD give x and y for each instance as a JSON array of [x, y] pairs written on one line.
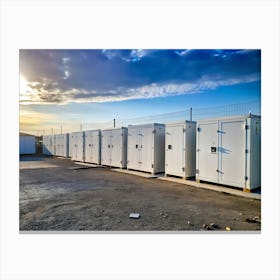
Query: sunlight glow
[[27, 94], [24, 88]]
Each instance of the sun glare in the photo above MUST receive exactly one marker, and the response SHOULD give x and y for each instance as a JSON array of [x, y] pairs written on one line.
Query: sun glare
[[23, 84]]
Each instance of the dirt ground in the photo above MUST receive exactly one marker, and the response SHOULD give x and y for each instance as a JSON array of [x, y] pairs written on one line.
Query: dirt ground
[[56, 197]]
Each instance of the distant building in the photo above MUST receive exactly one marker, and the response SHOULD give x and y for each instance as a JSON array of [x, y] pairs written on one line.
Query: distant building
[[27, 144]]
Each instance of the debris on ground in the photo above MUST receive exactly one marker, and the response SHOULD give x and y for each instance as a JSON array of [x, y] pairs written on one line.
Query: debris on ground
[[255, 220], [228, 228], [134, 215], [164, 215], [212, 226], [207, 227]]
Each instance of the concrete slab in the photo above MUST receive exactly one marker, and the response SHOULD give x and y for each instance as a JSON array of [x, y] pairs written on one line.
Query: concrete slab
[[35, 165], [209, 186], [88, 164], [62, 157], [136, 173]]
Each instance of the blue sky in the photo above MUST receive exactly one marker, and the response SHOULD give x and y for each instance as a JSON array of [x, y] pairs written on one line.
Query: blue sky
[[70, 87]]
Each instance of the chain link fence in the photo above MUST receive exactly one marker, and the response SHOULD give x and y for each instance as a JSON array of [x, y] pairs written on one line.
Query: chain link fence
[[195, 114]]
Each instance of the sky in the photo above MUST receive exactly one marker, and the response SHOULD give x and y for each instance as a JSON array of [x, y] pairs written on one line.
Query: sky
[[72, 87]]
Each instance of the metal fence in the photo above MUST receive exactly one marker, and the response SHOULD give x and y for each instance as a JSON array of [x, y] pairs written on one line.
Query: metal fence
[[253, 107]]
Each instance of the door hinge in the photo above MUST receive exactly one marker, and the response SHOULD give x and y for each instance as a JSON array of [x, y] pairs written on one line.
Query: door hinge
[[152, 166], [246, 126], [198, 129], [154, 131], [197, 171], [184, 130], [246, 151], [183, 168], [246, 178]]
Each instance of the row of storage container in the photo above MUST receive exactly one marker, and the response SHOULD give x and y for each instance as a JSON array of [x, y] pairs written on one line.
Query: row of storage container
[[225, 150]]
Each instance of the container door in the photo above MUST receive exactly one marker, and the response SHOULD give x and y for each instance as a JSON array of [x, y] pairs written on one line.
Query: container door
[[140, 135], [80, 147], [106, 147], [175, 142], [58, 145], [74, 146], [62, 146], [70, 145], [87, 146], [116, 148], [95, 147], [91, 143], [146, 148], [207, 152], [133, 147], [55, 145], [232, 153]]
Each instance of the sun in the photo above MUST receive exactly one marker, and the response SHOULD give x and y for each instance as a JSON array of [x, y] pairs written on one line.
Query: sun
[[25, 91]]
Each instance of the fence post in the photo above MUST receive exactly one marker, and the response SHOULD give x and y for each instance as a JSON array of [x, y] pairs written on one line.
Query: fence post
[[114, 123], [191, 114]]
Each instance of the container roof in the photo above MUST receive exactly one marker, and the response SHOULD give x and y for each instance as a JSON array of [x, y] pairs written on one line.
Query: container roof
[[25, 134], [229, 118]]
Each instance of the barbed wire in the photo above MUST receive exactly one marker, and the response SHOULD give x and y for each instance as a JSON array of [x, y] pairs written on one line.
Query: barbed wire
[[194, 113]]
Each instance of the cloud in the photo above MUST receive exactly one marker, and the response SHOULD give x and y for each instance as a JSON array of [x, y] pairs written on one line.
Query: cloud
[[182, 52], [65, 76], [65, 60]]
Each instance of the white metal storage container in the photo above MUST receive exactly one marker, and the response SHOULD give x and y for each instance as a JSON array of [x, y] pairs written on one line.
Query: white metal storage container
[[145, 147], [180, 145], [78, 146], [27, 145], [61, 144], [93, 146], [48, 145], [70, 144], [229, 151], [114, 147], [56, 145]]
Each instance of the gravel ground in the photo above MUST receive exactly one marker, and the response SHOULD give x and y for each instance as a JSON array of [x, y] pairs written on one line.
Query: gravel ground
[[56, 197]]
